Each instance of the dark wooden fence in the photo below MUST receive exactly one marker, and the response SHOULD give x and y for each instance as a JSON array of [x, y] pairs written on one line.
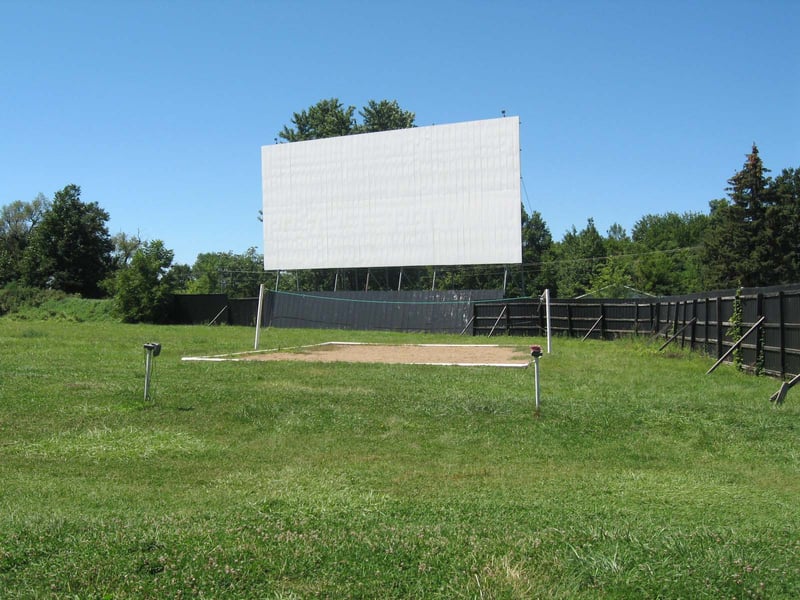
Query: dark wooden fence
[[701, 322]]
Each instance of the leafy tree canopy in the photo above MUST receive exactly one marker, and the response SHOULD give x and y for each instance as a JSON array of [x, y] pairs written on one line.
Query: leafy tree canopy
[[667, 259], [125, 246], [330, 118], [237, 275], [142, 288], [385, 115], [670, 230], [579, 257], [17, 221], [536, 242], [70, 249]]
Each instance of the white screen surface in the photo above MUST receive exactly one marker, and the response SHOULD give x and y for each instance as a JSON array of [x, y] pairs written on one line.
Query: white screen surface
[[438, 195]]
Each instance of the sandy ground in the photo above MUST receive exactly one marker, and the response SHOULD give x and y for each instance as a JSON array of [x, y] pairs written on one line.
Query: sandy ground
[[431, 354]]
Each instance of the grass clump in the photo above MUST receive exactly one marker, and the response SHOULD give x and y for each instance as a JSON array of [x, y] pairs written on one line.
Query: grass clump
[[642, 477]]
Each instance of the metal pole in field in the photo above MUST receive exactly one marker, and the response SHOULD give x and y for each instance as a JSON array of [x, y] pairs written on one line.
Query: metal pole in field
[[148, 364], [258, 314], [536, 352], [151, 349], [547, 311]]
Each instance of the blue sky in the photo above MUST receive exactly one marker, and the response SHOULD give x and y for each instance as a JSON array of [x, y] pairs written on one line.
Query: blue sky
[[158, 109]]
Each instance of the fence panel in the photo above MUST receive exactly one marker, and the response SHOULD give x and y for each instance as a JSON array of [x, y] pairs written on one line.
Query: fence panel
[[702, 322]]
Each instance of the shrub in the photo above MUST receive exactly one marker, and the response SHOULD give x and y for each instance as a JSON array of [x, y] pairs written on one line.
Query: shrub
[[14, 297]]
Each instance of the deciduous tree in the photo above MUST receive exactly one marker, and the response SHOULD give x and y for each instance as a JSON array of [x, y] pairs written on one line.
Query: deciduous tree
[[237, 275], [327, 118], [666, 248], [384, 116], [17, 222], [330, 118], [125, 246], [70, 249], [536, 242], [579, 258], [143, 288]]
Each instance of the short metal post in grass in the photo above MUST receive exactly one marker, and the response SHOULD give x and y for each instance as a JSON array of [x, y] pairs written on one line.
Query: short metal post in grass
[[151, 350], [536, 352]]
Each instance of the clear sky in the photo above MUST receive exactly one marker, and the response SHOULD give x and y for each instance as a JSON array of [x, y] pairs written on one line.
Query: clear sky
[[158, 109]]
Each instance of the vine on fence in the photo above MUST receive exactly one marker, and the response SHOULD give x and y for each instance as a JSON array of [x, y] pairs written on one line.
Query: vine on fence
[[761, 358], [735, 331]]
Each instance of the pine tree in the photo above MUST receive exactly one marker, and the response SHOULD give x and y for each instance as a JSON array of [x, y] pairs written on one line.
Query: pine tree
[[737, 244], [783, 227]]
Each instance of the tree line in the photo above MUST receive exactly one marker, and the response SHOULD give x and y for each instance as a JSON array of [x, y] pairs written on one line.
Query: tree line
[[749, 238]]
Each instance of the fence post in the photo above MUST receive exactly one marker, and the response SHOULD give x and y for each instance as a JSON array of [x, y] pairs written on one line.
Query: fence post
[[759, 366], [675, 320], [669, 317], [657, 323], [683, 323], [736, 344], [569, 320], [603, 321], [539, 314], [693, 334], [719, 326], [782, 334]]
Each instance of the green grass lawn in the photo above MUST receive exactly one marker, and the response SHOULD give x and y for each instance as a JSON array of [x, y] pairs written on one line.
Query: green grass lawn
[[642, 477]]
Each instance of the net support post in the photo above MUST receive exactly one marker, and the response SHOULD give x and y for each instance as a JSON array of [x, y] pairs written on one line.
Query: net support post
[[547, 312], [258, 315]]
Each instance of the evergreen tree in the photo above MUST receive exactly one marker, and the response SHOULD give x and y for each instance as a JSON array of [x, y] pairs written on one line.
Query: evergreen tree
[[733, 245], [783, 227], [752, 237]]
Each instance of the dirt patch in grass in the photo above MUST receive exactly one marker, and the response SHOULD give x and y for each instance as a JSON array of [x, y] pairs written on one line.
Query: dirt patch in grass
[[428, 354]]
